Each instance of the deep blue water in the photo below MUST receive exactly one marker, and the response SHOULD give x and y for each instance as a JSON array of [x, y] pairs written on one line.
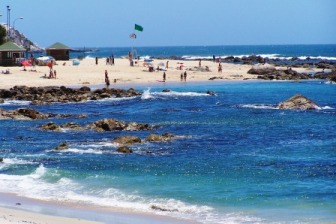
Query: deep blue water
[[327, 51], [236, 158]]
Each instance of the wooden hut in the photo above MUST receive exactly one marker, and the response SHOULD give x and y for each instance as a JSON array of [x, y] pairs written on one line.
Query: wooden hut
[[59, 51], [11, 54]]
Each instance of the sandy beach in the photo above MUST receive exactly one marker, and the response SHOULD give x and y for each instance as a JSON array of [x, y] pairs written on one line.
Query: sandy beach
[[88, 73]]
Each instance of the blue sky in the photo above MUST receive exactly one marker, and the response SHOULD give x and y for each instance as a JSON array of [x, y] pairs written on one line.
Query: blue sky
[[108, 23]]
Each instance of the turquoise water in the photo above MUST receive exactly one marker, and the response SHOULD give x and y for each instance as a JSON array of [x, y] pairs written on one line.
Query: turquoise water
[[236, 158]]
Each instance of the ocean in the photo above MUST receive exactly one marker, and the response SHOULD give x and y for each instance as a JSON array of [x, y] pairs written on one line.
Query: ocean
[[235, 158]]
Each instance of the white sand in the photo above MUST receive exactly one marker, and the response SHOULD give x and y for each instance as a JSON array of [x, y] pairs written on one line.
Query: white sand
[[88, 73]]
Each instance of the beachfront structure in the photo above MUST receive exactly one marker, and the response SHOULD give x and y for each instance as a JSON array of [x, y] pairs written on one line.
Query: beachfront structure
[[11, 54], [59, 51]]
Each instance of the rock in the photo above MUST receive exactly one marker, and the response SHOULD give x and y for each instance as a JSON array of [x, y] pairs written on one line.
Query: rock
[[62, 146], [33, 114], [51, 126], [2, 100], [166, 90], [261, 69], [1, 160], [127, 140], [72, 126], [298, 102], [159, 138], [108, 125], [115, 125], [124, 149], [211, 93]]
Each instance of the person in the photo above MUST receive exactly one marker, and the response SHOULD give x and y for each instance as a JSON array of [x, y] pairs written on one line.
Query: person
[[96, 60], [51, 75], [54, 74], [214, 58], [220, 67], [107, 80], [200, 63], [112, 60], [107, 60], [181, 76], [185, 76], [167, 64], [164, 76]]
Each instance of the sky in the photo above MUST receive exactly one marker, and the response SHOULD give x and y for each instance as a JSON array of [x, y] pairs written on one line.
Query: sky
[[109, 23]]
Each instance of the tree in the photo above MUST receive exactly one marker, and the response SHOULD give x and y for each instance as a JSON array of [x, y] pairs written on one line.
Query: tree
[[3, 34]]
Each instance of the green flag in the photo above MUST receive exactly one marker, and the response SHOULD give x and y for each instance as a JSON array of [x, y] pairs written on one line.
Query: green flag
[[138, 27]]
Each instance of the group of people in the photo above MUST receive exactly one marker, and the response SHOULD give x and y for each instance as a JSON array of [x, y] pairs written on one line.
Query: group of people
[[110, 60]]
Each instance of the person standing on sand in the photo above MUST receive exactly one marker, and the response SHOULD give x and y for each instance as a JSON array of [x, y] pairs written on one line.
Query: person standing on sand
[[54, 74], [181, 76], [200, 63], [167, 64], [220, 68], [164, 76], [185, 76], [96, 60], [107, 80]]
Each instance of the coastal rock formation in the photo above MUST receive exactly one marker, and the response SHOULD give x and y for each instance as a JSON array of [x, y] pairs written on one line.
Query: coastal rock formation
[[51, 94], [127, 140], [115, 125], [1, 160], [261, 69], [22, 114], [331, 76], [298, 102], [62, 146], [125, 150], [51, 126], [159, 138]]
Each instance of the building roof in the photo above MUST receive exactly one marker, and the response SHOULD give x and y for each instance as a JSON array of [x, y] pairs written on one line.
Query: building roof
[[11, 46], [58, 46]]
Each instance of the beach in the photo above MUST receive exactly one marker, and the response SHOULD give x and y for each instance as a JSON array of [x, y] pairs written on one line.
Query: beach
[[88, 73]]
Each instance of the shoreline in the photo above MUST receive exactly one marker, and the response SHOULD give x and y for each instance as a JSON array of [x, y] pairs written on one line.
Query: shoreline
[[87, 73], [18, 209]]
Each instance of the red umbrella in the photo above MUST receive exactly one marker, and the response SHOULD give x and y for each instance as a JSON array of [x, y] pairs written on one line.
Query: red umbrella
[[26, 63]]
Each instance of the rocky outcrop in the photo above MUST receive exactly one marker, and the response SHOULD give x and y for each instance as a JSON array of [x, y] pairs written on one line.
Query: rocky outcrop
[[51, 126], [62, 146], [160, 138], [23, 114], [1, 160], [298, 102], [127, 140], [115, 125], [326, 75], [125, 150], [261, 69], [45, 95]]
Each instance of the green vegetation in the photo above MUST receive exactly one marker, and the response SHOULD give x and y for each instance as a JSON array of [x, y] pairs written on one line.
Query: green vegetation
[[3, 35]]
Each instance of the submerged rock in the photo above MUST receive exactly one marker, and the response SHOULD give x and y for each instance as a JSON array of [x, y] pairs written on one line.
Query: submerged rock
[[298, 102], [115, 125], [124, 149], [1, 160], [50, 126]]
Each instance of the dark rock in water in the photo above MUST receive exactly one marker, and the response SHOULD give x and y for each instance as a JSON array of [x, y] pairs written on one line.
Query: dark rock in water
[[1, 160], [298, 102], [124, 149], [216, 77], [127, 140], [72, 126], [212, 93], [62, 146], [52, 94], [22, 114], [115, 125], [159, 138], [2, 100], [50, 126], [166, 90]]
